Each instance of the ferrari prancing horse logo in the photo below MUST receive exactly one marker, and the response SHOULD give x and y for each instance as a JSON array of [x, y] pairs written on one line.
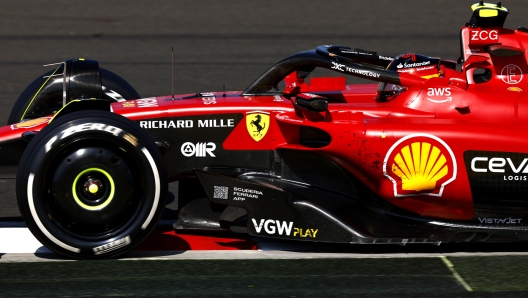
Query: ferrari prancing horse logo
[[257, 124]]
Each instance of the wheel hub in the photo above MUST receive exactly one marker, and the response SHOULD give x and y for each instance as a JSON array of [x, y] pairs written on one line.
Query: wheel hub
[[92, 187], [93, 190]]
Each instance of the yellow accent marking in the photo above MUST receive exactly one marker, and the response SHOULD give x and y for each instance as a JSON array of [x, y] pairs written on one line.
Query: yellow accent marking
[[81, 59], [488, 13], [515, 89], [436, 75], [75, 100], [106, 202], [487, 5], [416, 156], [40, 89]]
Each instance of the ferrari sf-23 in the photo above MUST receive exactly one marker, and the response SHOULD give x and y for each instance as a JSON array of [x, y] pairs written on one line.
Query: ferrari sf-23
[[434, 151]]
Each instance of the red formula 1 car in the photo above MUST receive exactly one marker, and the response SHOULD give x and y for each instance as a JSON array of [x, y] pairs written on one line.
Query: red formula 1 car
[[435, 151]]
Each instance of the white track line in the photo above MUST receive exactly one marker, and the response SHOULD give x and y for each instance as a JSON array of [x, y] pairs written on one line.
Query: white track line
[[15, 237], [455, 273], [19, 240]]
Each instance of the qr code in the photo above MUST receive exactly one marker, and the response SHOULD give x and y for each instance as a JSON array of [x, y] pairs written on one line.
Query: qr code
[[220, 192]]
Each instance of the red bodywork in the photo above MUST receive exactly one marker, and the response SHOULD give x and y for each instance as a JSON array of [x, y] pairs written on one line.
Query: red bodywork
[[381, 142]]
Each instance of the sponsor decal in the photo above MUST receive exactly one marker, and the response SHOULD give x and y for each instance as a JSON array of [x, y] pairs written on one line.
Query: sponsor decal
[[286, 118], [147, 102], [363, 72], [501, 165], [111, 246], [411, 65], [412, 56], [128, 104], [83, 127], [216, 123], [510, 166], [484, 35], [220, 192], [240, 194], [257, 124], [338, 66], [507, 221], [31, 123], [272, 227], [112, 94], [511, 74], [208, 98], [310, 233], [342, 67], [472, 51], [153, 124], [411, 70], [358, 52], [497, 179], [439, 95], [277, 98], [189, 149], [385, 58], [515, 89], [210, 123], [420, 164]]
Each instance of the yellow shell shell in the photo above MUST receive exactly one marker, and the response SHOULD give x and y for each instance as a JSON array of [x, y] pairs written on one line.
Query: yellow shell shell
[[419, 166]]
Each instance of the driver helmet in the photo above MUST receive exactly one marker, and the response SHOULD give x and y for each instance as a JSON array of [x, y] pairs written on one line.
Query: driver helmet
[[415, 64]]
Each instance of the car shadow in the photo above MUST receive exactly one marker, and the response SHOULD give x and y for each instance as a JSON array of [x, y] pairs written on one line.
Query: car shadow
[[393, 249]]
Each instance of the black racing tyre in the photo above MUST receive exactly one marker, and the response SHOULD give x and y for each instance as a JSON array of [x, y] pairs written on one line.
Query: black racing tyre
[[91, 185], [45, 96]]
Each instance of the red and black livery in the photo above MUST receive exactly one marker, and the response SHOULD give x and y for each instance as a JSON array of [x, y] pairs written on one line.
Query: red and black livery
[[435, 151]]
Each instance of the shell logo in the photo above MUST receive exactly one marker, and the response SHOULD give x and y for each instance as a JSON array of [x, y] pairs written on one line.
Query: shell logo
[[420, 164], [515, 89], [31, 123]]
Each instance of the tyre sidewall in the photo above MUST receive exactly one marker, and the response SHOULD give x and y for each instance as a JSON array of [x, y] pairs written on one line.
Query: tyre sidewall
[[30, 182]]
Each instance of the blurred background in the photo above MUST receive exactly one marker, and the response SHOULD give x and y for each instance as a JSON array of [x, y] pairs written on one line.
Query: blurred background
[[215, 42]]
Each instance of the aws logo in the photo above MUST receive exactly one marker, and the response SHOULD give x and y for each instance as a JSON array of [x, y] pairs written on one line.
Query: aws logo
[[420, 164]]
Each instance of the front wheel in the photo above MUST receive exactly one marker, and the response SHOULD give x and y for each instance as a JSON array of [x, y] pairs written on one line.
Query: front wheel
[[91, 185]]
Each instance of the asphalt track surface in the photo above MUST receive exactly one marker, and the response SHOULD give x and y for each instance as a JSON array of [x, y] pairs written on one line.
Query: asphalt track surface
[[409, 277], [231, 43]]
